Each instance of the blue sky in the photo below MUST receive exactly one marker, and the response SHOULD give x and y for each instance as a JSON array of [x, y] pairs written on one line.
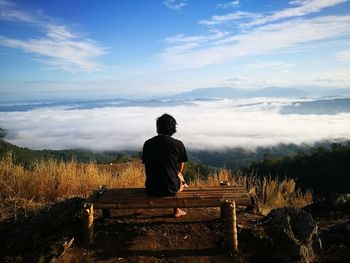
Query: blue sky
[[97, 49]]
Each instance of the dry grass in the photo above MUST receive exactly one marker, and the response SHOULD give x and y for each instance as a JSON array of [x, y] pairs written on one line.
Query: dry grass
[[275, 193], [24, 190], [270, 193]]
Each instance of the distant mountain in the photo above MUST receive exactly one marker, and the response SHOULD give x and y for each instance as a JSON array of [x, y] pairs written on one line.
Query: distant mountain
[[210, 93], [318, 91], [67, 104], [180, 99], [339, 92], [329, 106], [276, 92], [272, 92], [227, 93]]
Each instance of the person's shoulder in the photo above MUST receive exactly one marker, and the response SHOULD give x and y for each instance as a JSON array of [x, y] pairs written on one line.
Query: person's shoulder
[[150, 140], [177, 141]]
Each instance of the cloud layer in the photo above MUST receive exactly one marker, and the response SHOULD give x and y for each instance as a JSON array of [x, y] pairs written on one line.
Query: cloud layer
[[212, 125]]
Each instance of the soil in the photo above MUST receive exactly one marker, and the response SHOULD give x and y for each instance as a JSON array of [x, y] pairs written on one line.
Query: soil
[[156, 236]]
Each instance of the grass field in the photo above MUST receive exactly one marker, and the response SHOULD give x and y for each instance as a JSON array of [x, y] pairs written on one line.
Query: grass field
[[24, 190]]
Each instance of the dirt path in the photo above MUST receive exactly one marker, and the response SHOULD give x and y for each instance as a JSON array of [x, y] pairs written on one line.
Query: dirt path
[[155, 236]]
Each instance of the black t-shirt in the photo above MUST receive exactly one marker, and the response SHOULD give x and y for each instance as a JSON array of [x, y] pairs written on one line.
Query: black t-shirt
[[161, 156]]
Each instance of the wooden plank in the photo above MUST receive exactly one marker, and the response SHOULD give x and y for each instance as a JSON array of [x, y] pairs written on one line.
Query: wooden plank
[[169, 203], [189, 189], [141, 191], [191, 197], [143, 196], [198, 197], [179, 195]]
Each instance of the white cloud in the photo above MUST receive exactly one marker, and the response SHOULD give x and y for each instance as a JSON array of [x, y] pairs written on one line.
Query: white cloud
[[60, 48], [180, 38], [343, 55], [304, 7], [207, 125], [262, 40], [334, 78], [235, 16], [16, 15], [230, 4], [269, 64], [174, 4], [181, 42]]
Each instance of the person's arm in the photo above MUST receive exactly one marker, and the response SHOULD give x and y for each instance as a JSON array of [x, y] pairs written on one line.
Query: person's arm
[[181, 167]]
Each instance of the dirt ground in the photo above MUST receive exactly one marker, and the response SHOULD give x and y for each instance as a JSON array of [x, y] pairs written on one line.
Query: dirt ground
[[156, 236]]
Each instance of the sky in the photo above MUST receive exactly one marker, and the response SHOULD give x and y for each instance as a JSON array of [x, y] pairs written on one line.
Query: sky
[[101, 49]]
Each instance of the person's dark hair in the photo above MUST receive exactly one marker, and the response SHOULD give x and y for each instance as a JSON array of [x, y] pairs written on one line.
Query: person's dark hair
[[166, 124]]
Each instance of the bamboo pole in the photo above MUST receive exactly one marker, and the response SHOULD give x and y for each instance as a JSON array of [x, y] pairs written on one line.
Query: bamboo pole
[[89, 222], [234, 225], [231, 227]]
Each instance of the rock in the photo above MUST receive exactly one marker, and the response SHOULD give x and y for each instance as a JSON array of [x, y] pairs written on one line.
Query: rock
[[256, 243], [293, 234], [337, 234], [34, 235], [332, 207]]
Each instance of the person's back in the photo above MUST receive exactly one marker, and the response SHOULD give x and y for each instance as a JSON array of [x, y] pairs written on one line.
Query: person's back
[[161, 156], [164, 159]]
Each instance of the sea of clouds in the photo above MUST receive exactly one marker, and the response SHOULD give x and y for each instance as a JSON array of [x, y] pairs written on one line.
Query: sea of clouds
[[210, 125]]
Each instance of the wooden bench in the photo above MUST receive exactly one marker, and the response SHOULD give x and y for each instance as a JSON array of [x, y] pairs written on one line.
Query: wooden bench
[[226, 197]]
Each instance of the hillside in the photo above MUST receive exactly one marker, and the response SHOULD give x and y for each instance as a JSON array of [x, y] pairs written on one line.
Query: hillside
[[236, 158], [28, 156], [2, 133], [326, 171]]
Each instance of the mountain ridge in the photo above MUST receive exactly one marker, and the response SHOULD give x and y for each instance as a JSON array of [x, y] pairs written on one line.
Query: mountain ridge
[[273, 91]]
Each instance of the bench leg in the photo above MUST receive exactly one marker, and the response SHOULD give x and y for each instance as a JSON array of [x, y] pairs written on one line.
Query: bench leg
[[228, 211], [223, 212], [106, 213], [89, 223]]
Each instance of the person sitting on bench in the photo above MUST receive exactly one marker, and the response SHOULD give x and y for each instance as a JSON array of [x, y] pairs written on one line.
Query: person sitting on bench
[[164, 158]]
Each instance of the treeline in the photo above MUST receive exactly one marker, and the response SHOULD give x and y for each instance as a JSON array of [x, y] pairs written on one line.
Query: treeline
[[239, 157], [195, 170], [27, 156], [2, 133], [324, 170]]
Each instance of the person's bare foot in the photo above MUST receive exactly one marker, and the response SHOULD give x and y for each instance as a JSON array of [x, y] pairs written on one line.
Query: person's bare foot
[[178, 212]]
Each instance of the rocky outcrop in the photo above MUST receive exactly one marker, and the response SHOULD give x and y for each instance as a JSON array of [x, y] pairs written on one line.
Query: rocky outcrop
[[336, 206], [293, 235], [333, 217], [28, 239]]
